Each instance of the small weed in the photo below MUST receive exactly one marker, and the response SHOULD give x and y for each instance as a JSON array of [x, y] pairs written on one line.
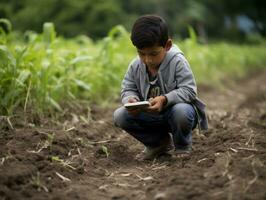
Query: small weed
[[36, 182], [104, 150], [62, 162]]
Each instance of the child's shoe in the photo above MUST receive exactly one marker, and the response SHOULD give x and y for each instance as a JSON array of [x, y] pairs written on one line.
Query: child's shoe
[[183, 149], [150, 153]]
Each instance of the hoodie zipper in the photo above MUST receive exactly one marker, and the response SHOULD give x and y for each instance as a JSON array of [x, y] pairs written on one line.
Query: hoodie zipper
[[147, 88], [161, 81]]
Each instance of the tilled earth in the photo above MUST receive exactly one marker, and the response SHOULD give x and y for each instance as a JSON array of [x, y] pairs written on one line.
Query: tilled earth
[[86, 157]]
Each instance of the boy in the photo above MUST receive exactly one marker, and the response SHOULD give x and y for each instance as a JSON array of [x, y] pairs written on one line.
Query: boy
[[162, 75]]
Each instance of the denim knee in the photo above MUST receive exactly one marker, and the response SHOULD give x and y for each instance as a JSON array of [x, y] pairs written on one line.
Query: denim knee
[[120, 116], [183, 115]]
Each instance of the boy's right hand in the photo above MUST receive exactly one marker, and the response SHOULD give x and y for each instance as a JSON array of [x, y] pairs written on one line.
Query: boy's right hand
[[133, 111]]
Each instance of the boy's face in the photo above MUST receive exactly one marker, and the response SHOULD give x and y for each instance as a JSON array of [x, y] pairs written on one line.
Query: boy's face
[[153, 56]]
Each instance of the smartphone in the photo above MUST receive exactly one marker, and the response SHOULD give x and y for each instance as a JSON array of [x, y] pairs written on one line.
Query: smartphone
[[139, 104]]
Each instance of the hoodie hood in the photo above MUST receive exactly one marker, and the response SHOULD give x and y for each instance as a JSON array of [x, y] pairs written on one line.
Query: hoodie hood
[[173, 51]]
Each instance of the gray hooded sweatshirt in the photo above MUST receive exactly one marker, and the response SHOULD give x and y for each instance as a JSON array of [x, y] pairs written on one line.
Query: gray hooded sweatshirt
[[175, 78]]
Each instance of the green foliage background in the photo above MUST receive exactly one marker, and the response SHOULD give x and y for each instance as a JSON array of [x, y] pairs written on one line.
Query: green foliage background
[[44, 72], [96, 18]]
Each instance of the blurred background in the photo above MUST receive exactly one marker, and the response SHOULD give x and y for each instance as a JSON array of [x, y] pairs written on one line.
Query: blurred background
[[58, 55], [229, 19]]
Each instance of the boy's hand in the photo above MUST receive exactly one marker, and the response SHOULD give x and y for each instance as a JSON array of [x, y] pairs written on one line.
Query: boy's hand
[[157, 104], [133, 111]]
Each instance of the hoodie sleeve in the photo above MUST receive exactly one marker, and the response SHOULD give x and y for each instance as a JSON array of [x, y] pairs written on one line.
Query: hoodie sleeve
[[129, 88], [186, 89]]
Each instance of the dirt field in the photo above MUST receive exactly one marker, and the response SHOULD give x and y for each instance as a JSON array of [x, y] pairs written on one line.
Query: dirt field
[[88, 158]]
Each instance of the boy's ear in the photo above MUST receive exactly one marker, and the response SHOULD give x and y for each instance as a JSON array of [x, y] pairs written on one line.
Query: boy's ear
[[168, 45]]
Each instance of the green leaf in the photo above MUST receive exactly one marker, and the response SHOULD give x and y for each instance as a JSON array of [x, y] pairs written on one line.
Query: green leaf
[[56, 158], [105, 151], [23, 76], [82, 84], [80, 59], [6, 25], [6, 57], [54, 103], [192, 35], [48, 32]]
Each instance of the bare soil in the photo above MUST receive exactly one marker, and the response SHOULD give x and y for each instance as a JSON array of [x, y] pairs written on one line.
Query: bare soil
[[86, 157]]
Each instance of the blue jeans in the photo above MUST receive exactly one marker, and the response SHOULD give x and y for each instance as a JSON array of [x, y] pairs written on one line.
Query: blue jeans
[[150, 129]]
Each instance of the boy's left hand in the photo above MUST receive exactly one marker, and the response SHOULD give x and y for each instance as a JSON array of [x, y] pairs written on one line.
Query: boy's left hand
[[157, 104]]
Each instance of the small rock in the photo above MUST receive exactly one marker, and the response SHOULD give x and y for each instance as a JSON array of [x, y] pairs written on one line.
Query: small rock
[[160, 196]]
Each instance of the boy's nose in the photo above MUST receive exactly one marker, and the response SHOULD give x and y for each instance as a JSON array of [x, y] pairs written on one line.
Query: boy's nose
[[148, 59]]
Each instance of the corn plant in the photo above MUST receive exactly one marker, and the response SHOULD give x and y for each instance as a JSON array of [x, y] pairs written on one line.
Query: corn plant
[[43, 73]]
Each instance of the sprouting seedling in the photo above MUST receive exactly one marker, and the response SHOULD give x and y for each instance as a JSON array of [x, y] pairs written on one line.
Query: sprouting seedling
[[105, 150], [62, 162], [36, 181], [49, 141], [50, 137]]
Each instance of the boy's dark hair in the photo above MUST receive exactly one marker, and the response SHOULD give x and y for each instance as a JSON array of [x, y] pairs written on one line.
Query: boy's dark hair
[[148, 31]]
